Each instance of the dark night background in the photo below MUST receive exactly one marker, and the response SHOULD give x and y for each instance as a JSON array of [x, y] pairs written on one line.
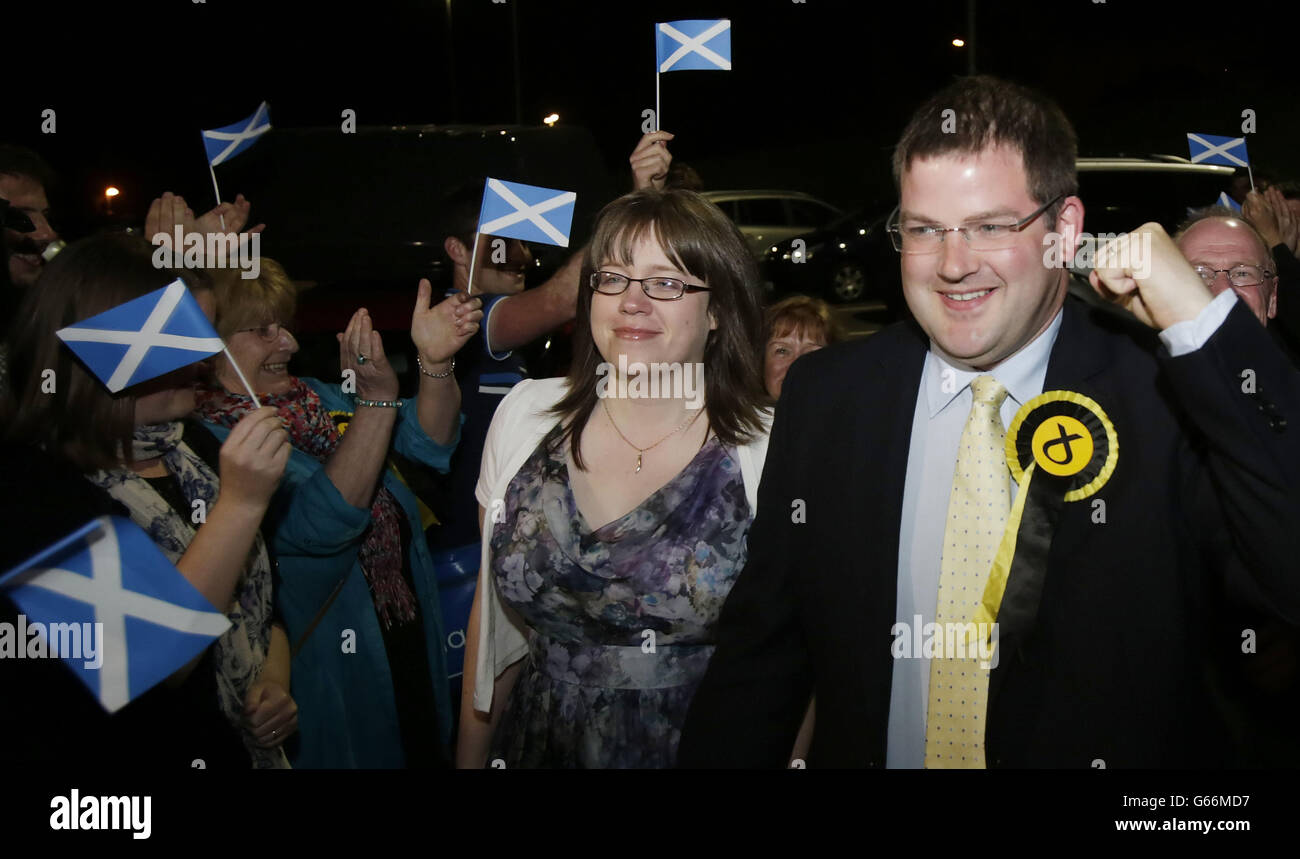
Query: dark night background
[[819, 92]]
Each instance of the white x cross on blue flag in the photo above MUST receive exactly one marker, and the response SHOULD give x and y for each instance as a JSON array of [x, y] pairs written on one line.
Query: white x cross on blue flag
[[226, 142], [110, 573], [1212, 149], [144, 338], [526, 212], [685, 45]]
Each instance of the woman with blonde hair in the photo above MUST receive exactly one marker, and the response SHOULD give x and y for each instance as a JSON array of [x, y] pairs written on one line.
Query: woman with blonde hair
[[357, 588]]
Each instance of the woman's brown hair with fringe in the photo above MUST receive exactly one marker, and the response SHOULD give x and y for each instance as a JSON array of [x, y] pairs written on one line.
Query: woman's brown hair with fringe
[[702, 242]]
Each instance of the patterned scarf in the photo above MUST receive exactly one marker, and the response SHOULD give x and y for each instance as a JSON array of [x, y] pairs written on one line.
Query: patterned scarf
[[312, 430], [240, 652]]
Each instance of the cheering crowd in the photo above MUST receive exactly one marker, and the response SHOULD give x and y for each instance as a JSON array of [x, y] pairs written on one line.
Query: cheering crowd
[[658, 584]]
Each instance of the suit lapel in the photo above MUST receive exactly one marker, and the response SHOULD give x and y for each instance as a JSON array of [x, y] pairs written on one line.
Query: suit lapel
[[1081, 352], [881, 441]]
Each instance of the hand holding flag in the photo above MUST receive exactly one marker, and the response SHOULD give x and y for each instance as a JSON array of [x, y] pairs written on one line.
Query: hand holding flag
[[513, 210], [651, 160]]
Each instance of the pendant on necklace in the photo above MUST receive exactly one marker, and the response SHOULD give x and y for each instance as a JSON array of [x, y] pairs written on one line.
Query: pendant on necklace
[[638, 463]]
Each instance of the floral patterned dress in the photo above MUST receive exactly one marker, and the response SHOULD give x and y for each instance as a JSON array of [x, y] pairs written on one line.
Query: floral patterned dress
[[620, 618]]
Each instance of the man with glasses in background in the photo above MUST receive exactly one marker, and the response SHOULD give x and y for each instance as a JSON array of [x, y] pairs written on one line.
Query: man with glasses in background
[[1228, 252], [889, 488]]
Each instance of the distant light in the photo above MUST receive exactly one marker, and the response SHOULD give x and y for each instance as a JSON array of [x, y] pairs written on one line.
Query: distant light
[[552, 119], [843, 246], [862, 232], [775, 249], [512, 140], [959, 43], [110, 191], [503, 132]]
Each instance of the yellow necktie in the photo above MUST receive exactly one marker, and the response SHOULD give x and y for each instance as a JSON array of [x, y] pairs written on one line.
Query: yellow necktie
[[977, 515]]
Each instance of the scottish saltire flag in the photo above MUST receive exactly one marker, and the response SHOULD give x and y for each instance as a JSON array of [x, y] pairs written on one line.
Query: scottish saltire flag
[[1212, 149], [139, 618], [144, 338], [1227, 202], [228, 141], [685, 45], [526, 212]]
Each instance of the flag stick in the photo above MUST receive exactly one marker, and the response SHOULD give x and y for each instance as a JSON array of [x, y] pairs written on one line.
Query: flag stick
[[469, 289], [217, 191], [240, 374], [1251, 175], [657, 123]]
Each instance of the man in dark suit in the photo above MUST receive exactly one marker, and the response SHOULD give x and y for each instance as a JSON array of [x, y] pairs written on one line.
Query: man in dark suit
[[886, 489]]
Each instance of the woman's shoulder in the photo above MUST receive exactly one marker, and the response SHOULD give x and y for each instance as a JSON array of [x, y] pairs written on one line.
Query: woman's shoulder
[[533, 398]]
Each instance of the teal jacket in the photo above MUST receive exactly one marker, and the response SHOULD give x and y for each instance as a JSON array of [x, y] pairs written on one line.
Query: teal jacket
[[347, 715]]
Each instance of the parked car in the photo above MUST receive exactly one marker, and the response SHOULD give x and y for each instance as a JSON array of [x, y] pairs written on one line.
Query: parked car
[[851, 258], [767, 217]]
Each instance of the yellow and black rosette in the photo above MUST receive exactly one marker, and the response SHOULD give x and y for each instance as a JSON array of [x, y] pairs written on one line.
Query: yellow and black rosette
[[341, 420], [1061, 447]]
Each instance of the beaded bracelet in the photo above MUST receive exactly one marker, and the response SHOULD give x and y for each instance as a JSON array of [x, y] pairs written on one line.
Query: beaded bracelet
[[450, 369], [383, 404]]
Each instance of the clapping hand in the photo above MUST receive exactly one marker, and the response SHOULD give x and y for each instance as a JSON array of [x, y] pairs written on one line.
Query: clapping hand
[[1272, 215], [439, 330], [361, 350], [169, 211]]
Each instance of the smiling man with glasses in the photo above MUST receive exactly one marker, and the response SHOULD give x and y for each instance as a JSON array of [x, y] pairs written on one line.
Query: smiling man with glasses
[[1229, 253], [888, 492]]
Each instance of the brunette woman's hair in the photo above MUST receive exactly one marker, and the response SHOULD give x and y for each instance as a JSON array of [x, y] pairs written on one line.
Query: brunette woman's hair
[[69, 412], [704, 243]]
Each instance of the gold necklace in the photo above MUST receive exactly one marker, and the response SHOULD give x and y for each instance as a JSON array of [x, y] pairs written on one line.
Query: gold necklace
[[640, 450]]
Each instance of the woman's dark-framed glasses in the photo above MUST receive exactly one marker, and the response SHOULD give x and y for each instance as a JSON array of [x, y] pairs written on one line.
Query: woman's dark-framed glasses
[[658, 288]]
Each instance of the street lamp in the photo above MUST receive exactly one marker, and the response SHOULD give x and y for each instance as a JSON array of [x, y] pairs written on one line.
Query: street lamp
[[109, 193], [959, 43], [551, 120]]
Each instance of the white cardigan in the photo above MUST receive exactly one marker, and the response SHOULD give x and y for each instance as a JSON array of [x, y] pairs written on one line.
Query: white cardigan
[[519, 425]]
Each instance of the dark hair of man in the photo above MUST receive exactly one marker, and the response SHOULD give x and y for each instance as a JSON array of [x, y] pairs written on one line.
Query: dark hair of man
[[21, 161], [80, 420], [988, 112], [458, 211], [703, 242], [1222, 213]]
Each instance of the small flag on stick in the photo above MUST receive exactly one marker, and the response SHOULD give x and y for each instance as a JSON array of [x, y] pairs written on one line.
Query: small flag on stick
[[113, 608], [700, 45]]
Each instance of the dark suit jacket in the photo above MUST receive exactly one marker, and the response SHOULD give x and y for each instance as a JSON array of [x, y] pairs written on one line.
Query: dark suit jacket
[[1203, 502]]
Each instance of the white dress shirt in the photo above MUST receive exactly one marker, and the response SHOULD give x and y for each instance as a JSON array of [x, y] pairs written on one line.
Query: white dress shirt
[[943, 403]]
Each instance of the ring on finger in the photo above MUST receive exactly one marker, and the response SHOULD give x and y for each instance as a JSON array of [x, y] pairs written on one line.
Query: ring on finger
[[361, 359]]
